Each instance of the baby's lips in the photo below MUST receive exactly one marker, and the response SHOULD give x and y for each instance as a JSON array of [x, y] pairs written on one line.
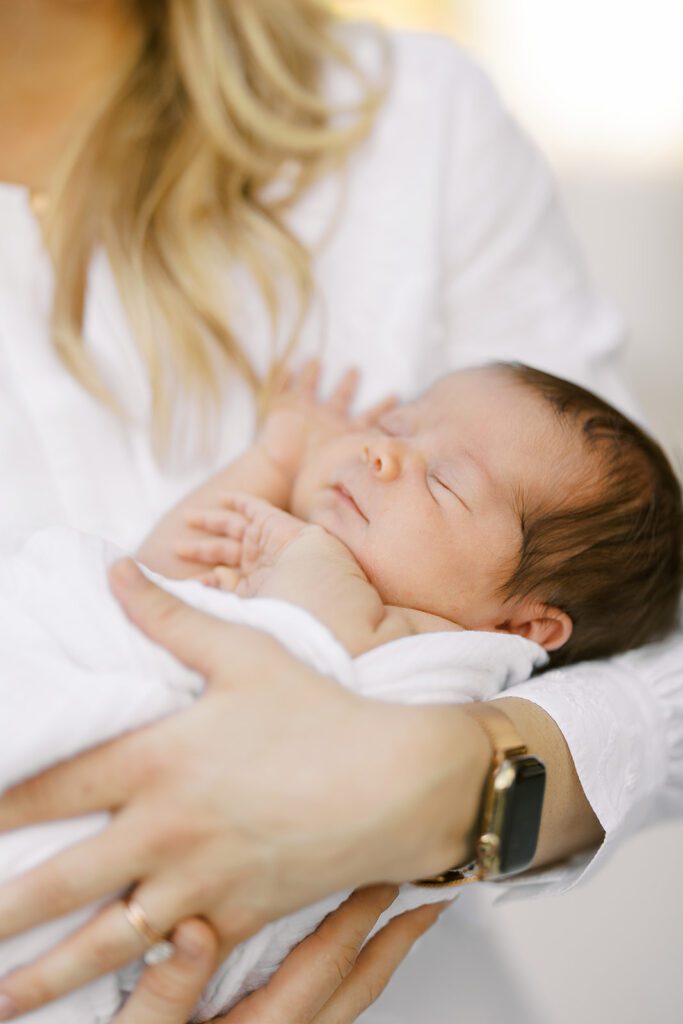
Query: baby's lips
[[349, 499]]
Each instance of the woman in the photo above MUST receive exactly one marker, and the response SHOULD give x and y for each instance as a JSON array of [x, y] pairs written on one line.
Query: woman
[[202, 192]]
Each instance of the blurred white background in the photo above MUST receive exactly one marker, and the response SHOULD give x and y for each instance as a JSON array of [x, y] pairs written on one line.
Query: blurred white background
[[599, 84]]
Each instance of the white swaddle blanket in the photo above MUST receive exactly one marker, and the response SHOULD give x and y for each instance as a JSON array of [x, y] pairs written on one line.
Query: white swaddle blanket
[[76, 672]]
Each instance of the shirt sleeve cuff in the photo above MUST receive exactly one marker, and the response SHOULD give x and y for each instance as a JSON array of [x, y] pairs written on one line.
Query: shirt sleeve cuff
[[623, 723]]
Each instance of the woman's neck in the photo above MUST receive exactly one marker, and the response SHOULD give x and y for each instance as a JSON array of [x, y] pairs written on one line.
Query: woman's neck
[[59, 60]]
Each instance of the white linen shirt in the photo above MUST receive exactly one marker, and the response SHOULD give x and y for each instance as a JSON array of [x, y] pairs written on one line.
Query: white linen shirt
[[448, 248]]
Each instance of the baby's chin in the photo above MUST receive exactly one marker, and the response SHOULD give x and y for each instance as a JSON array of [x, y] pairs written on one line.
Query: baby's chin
[[329, 519], [312, 505]]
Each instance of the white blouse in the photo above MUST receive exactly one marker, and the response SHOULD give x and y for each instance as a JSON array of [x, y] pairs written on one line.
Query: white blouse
[[448, 248]]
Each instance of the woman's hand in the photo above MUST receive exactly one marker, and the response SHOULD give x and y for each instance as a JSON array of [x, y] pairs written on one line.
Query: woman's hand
[[274, 789], [327, 978]]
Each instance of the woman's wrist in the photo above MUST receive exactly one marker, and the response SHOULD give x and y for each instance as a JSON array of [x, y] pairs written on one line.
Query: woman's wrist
[[433, 782], [461, 761]]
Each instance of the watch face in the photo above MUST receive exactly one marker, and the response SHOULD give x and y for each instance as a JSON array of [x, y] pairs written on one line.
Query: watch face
[[522, 797]]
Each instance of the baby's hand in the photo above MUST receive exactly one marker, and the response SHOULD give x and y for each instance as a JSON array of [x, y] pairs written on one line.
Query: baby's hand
[[299, 420], [244, 540]]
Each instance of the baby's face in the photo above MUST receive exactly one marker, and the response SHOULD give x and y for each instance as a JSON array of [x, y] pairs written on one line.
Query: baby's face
[[429, 501]]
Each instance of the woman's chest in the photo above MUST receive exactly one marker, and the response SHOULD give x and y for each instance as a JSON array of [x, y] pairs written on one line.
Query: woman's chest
[[65, 458]]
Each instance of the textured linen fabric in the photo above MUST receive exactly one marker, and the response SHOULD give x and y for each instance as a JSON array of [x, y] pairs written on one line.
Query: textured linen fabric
[[77, 672], [441, 246]]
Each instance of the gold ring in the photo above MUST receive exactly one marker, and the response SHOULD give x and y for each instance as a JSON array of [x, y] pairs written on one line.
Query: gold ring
[[158, 947], [137, 919]]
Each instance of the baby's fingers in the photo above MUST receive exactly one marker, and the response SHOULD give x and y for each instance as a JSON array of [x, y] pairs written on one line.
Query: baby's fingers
[[374, 413], [221, 522], [345, 391], [221, 578], [246, 506], [221, 551], [308, 378]]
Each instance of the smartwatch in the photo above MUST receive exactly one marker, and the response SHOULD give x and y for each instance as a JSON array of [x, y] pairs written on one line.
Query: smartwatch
[[511, 809]]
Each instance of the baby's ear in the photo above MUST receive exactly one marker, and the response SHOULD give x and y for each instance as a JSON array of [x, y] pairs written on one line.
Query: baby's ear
[[546, 625]]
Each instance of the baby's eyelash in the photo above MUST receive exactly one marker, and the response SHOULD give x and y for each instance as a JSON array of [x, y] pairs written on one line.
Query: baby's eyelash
[[451, 491], [441, 484]]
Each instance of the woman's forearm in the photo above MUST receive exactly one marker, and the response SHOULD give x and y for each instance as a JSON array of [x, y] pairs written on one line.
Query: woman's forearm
[[569, 823]]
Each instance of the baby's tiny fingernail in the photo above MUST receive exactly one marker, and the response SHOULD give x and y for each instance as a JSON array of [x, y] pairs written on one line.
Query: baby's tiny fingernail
[[7, 1008]]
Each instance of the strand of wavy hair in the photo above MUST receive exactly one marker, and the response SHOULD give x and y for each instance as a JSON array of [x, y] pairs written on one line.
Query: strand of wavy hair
[[171, 182]]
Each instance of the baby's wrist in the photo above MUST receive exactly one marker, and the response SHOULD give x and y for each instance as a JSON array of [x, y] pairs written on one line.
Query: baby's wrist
[[282, 470], [279, 455]]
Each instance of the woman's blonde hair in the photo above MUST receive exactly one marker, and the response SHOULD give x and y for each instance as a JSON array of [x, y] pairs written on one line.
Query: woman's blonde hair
[[224, 97]]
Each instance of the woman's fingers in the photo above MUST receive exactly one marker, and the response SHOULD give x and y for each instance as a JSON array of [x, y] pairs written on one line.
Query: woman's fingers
[[223, 652], [312, 972], [168, 992], [73, 878], [105, 943], [376, 965], [188, 634], [100, 779]]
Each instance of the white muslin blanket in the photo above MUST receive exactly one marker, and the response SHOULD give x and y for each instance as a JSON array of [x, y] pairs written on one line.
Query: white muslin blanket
[[76, 672]]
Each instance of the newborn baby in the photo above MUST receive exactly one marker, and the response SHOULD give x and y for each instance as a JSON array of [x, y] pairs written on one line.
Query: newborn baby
[[503, 499], [446, 545]]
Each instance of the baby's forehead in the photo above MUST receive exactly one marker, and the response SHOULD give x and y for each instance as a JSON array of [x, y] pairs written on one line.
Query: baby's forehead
[[503, 420], [468, 390], [491, 390]]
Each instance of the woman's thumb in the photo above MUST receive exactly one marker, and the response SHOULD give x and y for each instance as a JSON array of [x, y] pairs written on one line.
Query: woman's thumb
[[218, 650], [191, 636]]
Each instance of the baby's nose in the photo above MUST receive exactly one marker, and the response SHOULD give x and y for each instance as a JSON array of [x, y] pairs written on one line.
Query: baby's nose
[[382, 459]]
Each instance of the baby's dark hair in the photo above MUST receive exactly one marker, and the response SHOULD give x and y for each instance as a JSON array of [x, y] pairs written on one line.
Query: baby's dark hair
[[611, 558]]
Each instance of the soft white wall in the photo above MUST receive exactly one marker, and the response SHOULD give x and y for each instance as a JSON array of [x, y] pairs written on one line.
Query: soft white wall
[[631, 229]]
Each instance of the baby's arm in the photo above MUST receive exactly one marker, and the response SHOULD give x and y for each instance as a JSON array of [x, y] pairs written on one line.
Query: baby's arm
[[297, 419], [270, 553]]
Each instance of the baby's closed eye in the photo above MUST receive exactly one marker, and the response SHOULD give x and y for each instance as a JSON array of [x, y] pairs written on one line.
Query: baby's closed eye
[[445, 485]]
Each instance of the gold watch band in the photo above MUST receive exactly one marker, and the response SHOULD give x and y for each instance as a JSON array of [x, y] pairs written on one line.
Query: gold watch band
[[502, 735], [505, 743]]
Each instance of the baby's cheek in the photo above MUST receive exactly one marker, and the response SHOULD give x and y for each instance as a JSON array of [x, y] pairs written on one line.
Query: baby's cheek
[[398, 573], [379, 567]]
